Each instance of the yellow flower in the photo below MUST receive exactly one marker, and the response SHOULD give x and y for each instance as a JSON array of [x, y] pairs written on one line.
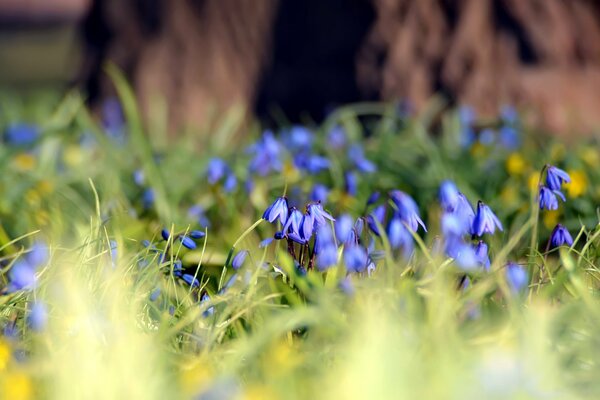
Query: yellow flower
[[4, 354], [578, 184], [534, 180], [590, 156], [515, 164], [17, 386], [550, 218], [24, 162], [73, 156]]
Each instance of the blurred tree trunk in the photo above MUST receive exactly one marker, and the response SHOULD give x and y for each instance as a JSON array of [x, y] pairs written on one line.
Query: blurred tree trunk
[[540, 54], [202, 56]]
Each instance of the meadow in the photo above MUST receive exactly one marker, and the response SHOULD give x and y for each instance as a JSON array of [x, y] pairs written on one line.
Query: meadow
[[380, 254]]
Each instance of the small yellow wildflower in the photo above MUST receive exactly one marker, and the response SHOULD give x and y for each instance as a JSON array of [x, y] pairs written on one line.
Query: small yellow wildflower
[[515, 164], [24, 162], [4, 354], [578, 184], [17, 386]]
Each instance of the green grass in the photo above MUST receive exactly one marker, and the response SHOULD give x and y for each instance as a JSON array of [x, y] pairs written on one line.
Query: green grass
[[407, 331]]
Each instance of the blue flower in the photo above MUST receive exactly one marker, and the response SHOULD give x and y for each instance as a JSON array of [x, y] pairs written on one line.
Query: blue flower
[[38, 316], [356, 155], [21, 134], [139, 177], [509, 138], [165, 234], [399, 236], [351, 183], [465, 257], [311, 163], [373, 198], [355, 259], [294, 222], [298, 137], [346, 286], [487, 137], [148, 198], [210, 310], [264, 243], [154, 294], [516, 276], [230, 183], [548, 198], [481, 252], [239, 259], [319, 193], [555, 177], [378, 215], [485, 221], [343, 226], [197, 234], [407, 209], [197, 212], [319, 215], [267, 153], [216, 170], [560, 236], [449, 196], [187, 242], [337, 137], [325, 248], [452, 225], [38, 254], [190, 280], [279, 209], [22, 276]]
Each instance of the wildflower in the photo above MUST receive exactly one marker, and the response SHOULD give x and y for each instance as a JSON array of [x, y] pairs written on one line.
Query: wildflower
[[197, 213], [377, 216], [279, 209], [267, 153], [197, 234], [139, 177], [485, 220], [154, 295], [464, 212], [165, 234], [217, 168], [325, 248], [449, 196], [351, 183], [373, 198], [319, 215], [346, 286], [560, 236], [312, 163], [22, 276], [294, 221], [516, 277], [264, 243], [148, 198], [355, 258], [187, 242], [555, 177], [210, 310], [548, 198], [578, 184], [515, 164], [509, 138], [407, 209], [336, 137], [465, 257], [452, 225], [298, 137], [399, 236], [38, 316], [343, 227], [190, 280], [319, 193], [21, 134], [239, 259], [230, 183], [487, 137], [481, 253], [356, 154]]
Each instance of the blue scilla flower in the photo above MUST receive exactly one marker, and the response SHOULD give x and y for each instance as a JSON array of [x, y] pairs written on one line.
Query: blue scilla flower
[[198, 213], [464, 211], [376, 216], [487, 137], [351, 183], [264, 243], [548, 198], [399, 236], [485, 220], [481, 252], [449, 196], [465, 257], [343, 226], [205, 299], [139, 177], [148, 197], [22, 276], [355, 259], [38, 254], [509, 138], [38, 316], [319, 193], [373, 198], [294, 221], [560, 236], [277, 210], [190, 280], [154, 294], [516, 276], [267, 155], [336, 137], [195, 234], [325, 248], [21, 134], [452, 225], [187, 242], [346, 286], [407, 210], [316, 164], [320, 216], [555, 177], [357, 156], [165, 234], [298, 137], [239, 259], [216, 170]]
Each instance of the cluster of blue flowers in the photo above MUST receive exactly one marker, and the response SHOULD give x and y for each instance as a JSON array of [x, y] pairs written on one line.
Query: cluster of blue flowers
[[506, 134], [548, 194]]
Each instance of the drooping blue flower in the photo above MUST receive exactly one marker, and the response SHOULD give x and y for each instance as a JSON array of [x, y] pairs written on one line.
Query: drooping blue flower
[[351, 183], [560, 236], [298, 137], [399, 236], [465, 257], [311, 163], [294, 222], [216, 170], [343, 226], [355, 259], [230, 183], [509, 138], [164, 233], [239, 259], [22, 276], [555, 177], [267, 155], [373, 198], [187, 242], [195, 234], [464, 211], [548, 198], [38, 254], [516, 276], [346, 286], [319, 193], [190, 280], [21, 134], [357, 156], [325, 248], [452, 225], [148, 198], [485, 220], [407, 210], [481, 252], [449, 196], [264, 243], [38, 316], [319, 215], [277, 210], [377, 216]]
